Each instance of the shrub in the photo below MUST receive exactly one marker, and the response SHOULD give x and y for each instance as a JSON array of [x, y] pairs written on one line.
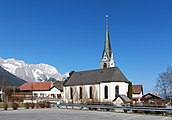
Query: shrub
[[5, 105], [47, 104], [27, 105], [37, 105], [42, 104], [32, 105], [14, 105]]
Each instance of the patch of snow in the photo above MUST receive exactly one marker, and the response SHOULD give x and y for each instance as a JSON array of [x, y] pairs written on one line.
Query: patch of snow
[[48, 77], [37, 73], [66, 74], [10, 67], [49, 69]]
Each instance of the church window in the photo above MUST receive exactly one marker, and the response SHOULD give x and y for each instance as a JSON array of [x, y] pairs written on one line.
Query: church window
[[71, 93], [116, 91], [106, 92], [104, 65], [91, 92], [80, 95]]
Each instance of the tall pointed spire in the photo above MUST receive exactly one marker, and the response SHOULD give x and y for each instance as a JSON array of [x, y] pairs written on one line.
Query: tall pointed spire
[[107, 46], [107, 57]]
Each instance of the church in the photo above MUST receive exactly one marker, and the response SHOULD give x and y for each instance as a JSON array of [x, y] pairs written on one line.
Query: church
[[105, 85]]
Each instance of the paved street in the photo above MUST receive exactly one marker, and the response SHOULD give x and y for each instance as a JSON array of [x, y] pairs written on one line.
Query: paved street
[[61, 114]]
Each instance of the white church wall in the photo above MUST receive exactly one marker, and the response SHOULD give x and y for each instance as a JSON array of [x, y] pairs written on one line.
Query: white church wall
[[123, 89], [98, 92], [85, 93], [102, 92]]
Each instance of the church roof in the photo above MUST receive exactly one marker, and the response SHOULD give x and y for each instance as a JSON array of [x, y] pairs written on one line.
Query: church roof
[[112, 74]]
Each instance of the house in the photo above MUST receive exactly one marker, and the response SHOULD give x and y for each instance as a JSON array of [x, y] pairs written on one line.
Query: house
[[100, 85], [42, 89], [137, 93], [20, 96], [151, 99]]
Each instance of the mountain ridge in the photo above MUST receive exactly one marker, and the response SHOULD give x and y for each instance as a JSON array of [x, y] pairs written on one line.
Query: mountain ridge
[[31, 72], [9, 79]]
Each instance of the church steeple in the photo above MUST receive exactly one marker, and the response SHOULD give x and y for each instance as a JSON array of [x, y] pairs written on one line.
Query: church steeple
[[107, 56]]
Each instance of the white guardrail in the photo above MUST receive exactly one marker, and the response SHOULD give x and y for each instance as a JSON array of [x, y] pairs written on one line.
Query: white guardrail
[[124, 108]]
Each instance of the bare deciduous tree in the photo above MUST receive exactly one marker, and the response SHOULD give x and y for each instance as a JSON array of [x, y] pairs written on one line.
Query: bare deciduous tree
[[66, 94], [75, 95], [5, 90], [84, 95], [95, 94], [164, 83]]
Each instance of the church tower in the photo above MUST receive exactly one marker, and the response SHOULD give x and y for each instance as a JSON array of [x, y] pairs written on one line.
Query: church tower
[[107, 56]]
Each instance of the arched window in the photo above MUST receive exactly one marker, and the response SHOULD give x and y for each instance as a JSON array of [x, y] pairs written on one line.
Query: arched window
[[116, 91], [104, 65], [91, 92], [80, 94], [106, 92], [71, 93]]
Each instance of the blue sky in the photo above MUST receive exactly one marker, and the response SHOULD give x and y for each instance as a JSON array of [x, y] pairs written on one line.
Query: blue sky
[[69, 34]]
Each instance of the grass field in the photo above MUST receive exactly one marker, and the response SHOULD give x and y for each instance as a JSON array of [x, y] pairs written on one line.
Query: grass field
[[9, 104]]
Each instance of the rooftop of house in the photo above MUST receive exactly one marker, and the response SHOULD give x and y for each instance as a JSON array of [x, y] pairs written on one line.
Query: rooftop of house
[[137, 89], [124, 98], [36, 86], [59, 85], [150, 95]]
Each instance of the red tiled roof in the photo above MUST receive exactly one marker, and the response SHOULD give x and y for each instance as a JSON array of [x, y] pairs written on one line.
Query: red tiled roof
[[137, 89], [36, 86]]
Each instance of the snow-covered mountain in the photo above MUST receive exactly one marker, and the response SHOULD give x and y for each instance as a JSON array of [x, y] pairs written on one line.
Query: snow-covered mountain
[[31, 72], [9, 79]]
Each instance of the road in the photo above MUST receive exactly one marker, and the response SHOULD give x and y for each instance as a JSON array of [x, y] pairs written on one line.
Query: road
[[64, 114]]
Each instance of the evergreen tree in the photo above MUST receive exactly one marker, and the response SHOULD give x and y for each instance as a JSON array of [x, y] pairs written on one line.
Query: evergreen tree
[[130, 90]]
